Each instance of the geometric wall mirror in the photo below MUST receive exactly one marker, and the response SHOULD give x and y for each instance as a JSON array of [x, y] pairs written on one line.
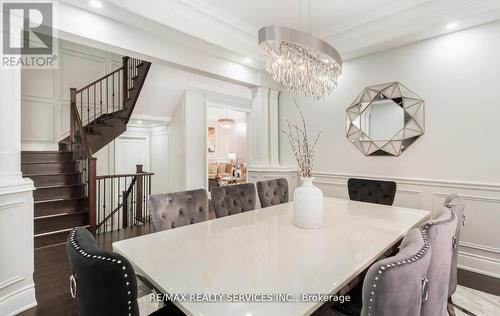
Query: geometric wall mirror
[[385, 119]]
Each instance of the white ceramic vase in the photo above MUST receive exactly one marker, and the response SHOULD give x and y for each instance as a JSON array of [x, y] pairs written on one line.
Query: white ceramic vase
[[308, 205]]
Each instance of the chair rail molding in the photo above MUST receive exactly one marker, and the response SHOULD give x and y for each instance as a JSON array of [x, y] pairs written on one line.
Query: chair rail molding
[[479, 249]]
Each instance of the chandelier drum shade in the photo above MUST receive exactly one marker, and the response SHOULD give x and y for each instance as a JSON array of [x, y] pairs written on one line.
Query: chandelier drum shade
[[299, 61]]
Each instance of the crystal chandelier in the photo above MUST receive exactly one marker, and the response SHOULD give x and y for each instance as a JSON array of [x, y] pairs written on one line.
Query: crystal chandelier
[[226, 123], [299, 61]]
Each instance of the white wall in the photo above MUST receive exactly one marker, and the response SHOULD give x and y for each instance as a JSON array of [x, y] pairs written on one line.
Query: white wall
[[159, 160], [195, 138], [458, 77], [176, 154]]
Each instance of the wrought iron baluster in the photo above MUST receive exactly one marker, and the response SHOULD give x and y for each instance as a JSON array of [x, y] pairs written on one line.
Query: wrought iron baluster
[[99, 203], [104, 206], [88, 105], [118, 202], [100, 95], [95, 122]]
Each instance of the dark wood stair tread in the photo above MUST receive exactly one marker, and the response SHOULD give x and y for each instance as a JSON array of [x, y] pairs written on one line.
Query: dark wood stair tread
[[62, 213], [60, 199], [56, 231], [46, 162], [26, 175], [49, 239], [44, 152]]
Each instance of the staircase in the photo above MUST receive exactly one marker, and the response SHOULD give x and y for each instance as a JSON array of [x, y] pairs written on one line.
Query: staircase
[[65, 180]]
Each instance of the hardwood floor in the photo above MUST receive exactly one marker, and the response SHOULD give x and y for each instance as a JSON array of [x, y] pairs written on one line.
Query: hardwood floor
[[475, 302], [52, 274], [479, 282]]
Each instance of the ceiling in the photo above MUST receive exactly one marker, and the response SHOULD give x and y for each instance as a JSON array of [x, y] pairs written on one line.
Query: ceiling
[[228, 28], [323, 13]]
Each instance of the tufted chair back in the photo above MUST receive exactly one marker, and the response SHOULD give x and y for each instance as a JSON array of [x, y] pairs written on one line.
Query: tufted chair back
[[272, 192], [440, 233], [372, 191], [171, 210], [398, 285], [457, 205], [233, 199], [102, 282]]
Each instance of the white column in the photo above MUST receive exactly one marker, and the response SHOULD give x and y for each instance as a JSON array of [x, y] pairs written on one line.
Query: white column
[[274, 130], [260, 127], [264, 128], [17, 292], [264, 134], [10, 138]]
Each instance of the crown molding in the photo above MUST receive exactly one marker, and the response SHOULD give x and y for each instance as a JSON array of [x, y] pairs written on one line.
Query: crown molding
[[416, 23], [199, 19], [230, 37], [381, 13], [222, 16]]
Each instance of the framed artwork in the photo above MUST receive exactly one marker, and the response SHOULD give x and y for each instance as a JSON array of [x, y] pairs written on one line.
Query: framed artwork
[[211, 139]]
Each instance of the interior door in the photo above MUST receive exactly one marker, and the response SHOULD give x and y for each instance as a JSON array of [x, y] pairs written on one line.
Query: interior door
[[131, 151]]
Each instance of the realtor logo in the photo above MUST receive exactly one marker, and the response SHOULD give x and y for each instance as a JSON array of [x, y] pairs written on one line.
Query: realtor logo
[[28, 35]]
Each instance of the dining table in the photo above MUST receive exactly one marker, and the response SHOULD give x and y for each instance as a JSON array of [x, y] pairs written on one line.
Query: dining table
[[259, 263]]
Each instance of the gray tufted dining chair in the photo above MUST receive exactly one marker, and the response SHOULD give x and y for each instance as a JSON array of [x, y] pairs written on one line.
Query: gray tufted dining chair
[[457, 205], [171, 210], [398, 285], [440, 233], [371, 191], [272, 192], [233, 199]]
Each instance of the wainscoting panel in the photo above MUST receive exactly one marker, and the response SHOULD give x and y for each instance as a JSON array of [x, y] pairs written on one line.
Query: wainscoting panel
[[38, 119], [479, 247], [80, 68]]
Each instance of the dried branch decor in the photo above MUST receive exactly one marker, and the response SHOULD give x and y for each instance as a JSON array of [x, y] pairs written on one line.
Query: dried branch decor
[[302, 147]]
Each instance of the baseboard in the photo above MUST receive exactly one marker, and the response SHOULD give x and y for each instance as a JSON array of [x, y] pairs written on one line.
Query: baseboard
[[479, 282], [18, 301]]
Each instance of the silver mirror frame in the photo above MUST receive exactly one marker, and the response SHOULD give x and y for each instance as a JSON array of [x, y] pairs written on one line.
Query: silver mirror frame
[[414, 119]]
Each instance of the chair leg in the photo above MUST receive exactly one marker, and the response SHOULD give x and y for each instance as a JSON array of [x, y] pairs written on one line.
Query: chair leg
[[451, 310], [452, 305]]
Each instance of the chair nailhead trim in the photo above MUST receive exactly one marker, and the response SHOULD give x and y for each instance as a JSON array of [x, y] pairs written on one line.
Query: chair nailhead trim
[[383, 269], [87, 255]]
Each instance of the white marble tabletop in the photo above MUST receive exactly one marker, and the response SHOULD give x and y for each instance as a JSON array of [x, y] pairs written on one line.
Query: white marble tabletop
[[262, 252]]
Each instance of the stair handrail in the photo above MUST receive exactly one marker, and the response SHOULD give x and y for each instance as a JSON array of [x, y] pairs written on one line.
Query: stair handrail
[[77, 125], [121, 175], [99, 80], [135, 186]]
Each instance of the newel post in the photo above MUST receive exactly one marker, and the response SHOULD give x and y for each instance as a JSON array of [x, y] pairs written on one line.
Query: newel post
[[72, 119], [91, 169], [125, 209], [125, 79], [138, 192]]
